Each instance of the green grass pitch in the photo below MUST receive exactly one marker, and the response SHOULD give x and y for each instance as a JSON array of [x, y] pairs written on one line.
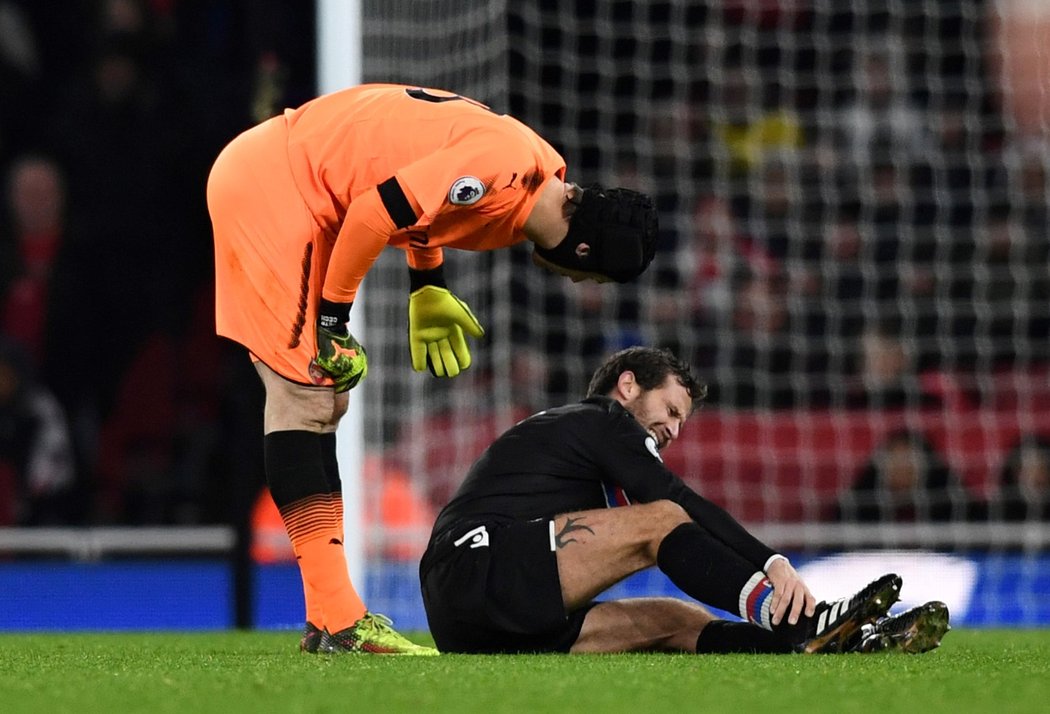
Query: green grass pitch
[[994, 671]]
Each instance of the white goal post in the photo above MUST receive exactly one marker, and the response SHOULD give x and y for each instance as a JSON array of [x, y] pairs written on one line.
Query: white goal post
[[339, 42]]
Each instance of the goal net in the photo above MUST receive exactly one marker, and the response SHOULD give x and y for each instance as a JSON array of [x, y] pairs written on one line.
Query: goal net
[[854, 253]]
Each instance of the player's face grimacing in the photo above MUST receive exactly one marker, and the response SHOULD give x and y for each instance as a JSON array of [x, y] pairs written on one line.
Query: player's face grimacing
[[661, 411]]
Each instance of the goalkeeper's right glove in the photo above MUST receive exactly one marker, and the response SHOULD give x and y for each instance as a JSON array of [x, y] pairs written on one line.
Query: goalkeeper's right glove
[[340, 355], [437, 321]]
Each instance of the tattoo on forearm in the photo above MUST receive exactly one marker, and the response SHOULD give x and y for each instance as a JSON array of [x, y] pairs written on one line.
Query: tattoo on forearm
[[561, 540]]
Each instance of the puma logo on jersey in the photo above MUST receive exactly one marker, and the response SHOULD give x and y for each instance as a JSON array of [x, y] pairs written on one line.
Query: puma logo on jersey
[[466, 191]]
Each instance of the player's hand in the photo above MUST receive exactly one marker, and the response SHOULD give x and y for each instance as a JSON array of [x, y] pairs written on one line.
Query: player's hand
[[437, 320], [341, 357], [791, 595]]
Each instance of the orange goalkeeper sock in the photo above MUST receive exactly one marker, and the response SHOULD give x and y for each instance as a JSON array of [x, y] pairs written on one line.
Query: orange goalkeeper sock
[[301, 519], [312, 598], [323, 565], [337, 504], [314, 613], [312, 527]]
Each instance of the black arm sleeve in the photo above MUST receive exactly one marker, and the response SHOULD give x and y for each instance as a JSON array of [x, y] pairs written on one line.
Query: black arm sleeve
[[719, 523], [396, 203], [644, 478]]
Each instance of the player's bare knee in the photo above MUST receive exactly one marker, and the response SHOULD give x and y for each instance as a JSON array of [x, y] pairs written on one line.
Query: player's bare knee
[[667, 515], [295, 407], [339, 408], [663, 517], [317, 409]]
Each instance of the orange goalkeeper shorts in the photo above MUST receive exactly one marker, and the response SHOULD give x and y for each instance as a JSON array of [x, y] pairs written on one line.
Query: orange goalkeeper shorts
[[270, 254]]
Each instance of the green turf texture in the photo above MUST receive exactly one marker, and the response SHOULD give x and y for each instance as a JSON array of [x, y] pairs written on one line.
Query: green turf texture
[[974, 671]]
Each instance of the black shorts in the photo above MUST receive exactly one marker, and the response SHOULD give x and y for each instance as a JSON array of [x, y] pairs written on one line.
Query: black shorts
[[490, 587]]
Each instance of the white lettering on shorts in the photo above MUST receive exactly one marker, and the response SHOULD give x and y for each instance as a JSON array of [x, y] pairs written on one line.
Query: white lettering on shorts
[[478, 538]]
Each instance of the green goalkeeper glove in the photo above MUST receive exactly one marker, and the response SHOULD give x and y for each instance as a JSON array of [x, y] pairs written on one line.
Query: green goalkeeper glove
[[437, 320], [339, 355]]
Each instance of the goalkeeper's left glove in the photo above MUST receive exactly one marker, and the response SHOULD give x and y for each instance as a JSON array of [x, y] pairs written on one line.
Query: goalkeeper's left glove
[[339, 354], [437, 320]]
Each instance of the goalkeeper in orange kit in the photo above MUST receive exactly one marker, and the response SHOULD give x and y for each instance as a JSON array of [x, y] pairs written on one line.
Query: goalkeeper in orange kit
[[301, 206]]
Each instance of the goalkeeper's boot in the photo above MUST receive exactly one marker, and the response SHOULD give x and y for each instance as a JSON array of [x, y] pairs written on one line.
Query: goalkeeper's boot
[[834, 624], [311, 638], [914, 631], [372, 634]]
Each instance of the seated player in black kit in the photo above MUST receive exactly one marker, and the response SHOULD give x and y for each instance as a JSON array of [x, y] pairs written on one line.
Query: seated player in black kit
[[532, 537]]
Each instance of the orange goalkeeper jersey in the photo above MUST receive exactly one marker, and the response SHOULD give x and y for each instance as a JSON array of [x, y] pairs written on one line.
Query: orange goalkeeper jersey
[[466, 177], [303, 204]]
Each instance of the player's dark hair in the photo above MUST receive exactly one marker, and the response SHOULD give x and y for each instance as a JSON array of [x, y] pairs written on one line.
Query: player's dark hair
[[651, 367], [612, 232]]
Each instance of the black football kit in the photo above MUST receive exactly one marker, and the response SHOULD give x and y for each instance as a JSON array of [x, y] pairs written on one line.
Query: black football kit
[[489, 576]]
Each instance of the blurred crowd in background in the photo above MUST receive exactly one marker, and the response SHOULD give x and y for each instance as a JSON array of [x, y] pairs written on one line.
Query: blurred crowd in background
[[855, 207], [864, 228], [114, 392], [841, 192]]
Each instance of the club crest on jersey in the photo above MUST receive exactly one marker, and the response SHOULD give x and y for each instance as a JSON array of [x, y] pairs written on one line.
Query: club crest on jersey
[[650, 443], [466, 191]]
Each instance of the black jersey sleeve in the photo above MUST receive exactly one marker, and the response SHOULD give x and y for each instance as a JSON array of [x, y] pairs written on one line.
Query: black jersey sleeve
[[629, 455]]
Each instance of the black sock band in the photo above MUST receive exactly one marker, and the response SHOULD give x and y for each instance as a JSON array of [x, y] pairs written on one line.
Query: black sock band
[[724, 637], [331, 464], [294, 466], [703, 567]]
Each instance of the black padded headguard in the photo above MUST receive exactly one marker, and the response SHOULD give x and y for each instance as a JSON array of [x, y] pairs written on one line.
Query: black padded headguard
[[612, 233]]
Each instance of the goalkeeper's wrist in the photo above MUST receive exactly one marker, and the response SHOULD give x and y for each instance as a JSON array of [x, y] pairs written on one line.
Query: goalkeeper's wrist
[[421, 278], [333, 316]]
